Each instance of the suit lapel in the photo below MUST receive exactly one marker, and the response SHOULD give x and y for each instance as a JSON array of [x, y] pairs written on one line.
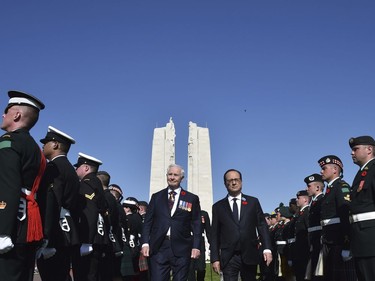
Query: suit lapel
[[181, 198], [165, 201], [244, 207]]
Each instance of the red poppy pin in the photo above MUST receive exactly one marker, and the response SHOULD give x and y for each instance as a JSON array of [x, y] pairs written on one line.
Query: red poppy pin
[[364, 173], [328, 190], [244, 202], [183, 193]]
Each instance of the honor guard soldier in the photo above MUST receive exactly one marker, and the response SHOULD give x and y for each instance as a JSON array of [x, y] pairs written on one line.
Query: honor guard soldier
[[315, 187], [280, 236], [120, 237], [334, 218], [291, 237], [131, 250], [22, 166], [197, 269], [57, 198], [301, 256], [362, 207], [112, 224], [91, 227]]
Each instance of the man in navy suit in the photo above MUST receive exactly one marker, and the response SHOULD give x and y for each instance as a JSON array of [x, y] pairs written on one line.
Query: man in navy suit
[[172, 229], [236, 221]]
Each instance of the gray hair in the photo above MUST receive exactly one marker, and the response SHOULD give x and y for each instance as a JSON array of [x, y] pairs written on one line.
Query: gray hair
[[176, 166]]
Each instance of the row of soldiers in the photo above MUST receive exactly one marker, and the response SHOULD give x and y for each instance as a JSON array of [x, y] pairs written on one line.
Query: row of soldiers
[[85, 224], [58, 215], [319, 233]]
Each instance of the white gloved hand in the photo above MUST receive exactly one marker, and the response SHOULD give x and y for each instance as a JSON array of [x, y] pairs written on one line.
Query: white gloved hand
[[41, 249], [48, 253], [6, 244], [346, 255], [86, 249]]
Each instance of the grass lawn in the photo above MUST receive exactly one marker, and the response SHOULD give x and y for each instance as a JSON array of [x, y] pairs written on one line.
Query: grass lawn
[[211, 275]]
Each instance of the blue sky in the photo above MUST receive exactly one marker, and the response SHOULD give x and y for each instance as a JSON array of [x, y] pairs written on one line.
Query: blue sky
[[278, 83]]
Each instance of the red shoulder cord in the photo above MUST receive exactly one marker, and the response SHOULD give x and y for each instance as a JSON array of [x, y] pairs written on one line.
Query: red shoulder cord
[[34, 221]]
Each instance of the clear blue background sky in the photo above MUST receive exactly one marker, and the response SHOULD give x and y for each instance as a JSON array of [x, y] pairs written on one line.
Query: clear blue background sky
[[278, 83]]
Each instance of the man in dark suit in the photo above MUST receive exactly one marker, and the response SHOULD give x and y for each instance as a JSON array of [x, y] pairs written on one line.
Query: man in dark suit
[[362, 207], [236, 219], [172, 233]]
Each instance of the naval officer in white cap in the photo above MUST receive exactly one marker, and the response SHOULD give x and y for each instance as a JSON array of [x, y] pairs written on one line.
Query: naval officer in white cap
[[22, 165]]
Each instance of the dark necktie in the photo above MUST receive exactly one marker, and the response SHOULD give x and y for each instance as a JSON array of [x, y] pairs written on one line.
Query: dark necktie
[[171, 199], [235, 210]]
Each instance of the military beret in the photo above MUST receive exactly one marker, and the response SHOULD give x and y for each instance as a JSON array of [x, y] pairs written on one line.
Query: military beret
[[313, 178], [330, 159], [54, 134], [284, 212], [293, 201], [267, 215], [302, 193], [87, 159], [21, 98], [361, 140]]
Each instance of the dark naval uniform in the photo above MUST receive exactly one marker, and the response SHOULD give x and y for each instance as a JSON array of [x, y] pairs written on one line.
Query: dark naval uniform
[[131, 250], [362, 209], [91, 227], [113, 247], [58, 201], [22, 165], [335, 232], [20, 159]]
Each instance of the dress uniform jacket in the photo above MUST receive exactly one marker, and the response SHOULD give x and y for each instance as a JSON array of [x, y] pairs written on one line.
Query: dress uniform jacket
[[363, 201], [58, 196], [335, 204], [301, 226], [315, 231], [300, 257], [335, 232], [20, 159], [112, 222], [92, 203], [130, 259]]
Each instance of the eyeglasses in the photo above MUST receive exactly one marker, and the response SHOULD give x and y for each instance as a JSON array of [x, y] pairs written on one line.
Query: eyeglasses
[[233, 180]]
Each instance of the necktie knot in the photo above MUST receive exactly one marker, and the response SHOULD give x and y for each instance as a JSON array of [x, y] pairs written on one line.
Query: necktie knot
[[171, 199]]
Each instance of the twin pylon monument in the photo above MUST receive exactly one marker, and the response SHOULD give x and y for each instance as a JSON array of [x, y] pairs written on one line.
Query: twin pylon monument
[[199, 175]]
